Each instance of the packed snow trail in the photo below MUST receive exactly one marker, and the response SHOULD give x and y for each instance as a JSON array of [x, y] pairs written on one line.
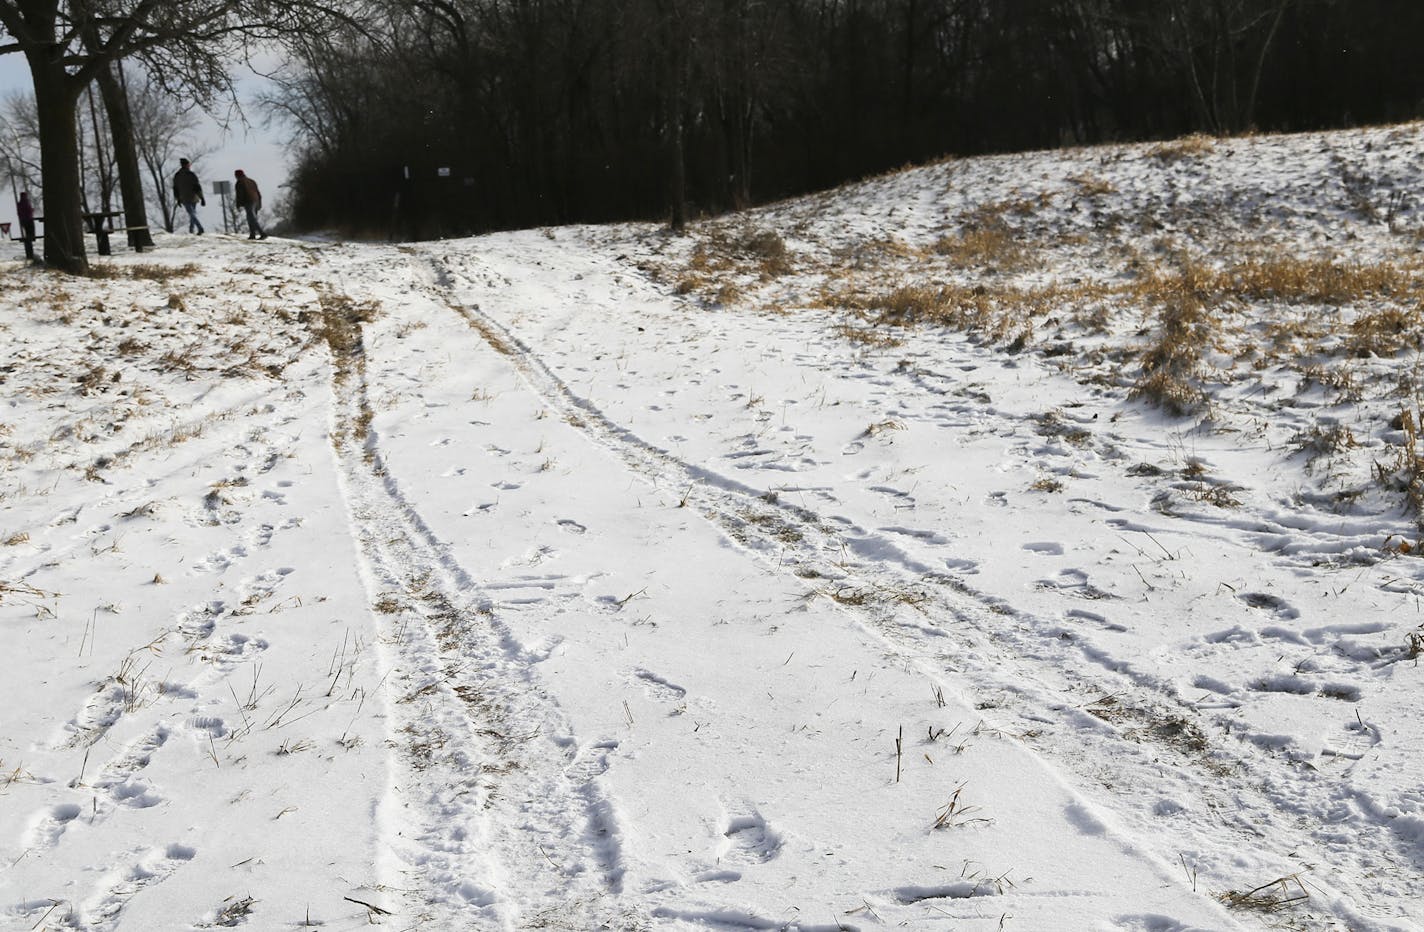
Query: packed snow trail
[[495, 818], [786, 535]]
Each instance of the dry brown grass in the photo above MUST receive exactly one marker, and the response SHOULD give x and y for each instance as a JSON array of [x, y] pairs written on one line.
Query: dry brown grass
[[724, 257], [994, 247], [876, 254], [1187, 147], [142, 271], [1185, 327], [341, 320], [1340, 379], [996, 315], [93, 380], [1323, 440], [1091, 186], [1385, 332], [1405, 473], [1315, 280], [868, 336], [1272, 897], [988, 238]]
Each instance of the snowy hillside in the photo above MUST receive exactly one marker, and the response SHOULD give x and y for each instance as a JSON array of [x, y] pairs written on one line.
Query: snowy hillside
[[1020, 543]]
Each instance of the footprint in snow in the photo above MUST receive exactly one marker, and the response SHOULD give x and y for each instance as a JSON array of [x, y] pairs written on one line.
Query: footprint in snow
[[748, 839], [47, 827], [959, 565], [657, 687], [573, 527], [1270, 603], [118, 888], [1359, 738]]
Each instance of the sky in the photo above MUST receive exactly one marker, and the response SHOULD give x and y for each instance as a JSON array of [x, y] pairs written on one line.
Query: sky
[[257, 151]]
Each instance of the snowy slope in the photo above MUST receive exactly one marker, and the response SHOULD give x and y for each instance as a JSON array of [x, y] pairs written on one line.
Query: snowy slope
[[605, 578]]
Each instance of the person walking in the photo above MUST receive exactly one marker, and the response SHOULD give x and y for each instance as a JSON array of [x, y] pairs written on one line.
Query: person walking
[[188, 191], [25, 212], [249, 198]]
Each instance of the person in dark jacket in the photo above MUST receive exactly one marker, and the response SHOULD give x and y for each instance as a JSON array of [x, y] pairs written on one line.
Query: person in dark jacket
[[25, 212], [247, 196], [188, 191]]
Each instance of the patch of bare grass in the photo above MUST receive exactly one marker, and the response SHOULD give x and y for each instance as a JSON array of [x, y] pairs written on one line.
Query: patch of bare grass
[[1405, 472], [1315, 280], [1385, 332], [141, 271], [868, 336], [1279, 894], [1092, 186], [1340, 379], [1323, 440], [988, 239], [724, 258], [341, 320], [1185, 326], [995, 315], [1193, 146]]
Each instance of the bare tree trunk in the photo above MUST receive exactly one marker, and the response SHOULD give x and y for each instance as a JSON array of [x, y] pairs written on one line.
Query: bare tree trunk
[[675, 53], [1186, 48], [677, 163], [57, 105], [1254, 93], [116, 103], [102, 172]]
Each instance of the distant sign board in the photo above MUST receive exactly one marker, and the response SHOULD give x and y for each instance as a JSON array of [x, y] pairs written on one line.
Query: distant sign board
[[222, 187], [443, 171]]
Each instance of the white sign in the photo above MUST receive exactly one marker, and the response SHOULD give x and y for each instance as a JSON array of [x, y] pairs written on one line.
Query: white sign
[[222, 187], [443, 171]]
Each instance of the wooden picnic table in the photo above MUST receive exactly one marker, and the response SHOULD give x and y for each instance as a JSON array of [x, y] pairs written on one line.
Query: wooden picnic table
[[101, 224], [29, 241]]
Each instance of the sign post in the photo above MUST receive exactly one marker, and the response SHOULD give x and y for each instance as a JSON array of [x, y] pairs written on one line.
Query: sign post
[[222, 189]]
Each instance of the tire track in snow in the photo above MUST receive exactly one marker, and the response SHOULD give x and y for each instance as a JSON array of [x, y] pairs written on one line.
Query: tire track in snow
[[1143, 722], [496, 819]]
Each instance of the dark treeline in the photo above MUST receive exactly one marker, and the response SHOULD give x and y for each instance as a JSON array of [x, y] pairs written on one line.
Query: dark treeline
[[550, 111]]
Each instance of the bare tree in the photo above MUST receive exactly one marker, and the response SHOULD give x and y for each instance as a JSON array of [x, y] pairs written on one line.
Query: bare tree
[[20, 144], [67, 43], [161, 136]]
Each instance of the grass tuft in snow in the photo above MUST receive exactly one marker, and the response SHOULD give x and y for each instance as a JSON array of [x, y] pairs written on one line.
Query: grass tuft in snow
[[1193, 146], [1405, 472], [1280, 894], [143, 271]]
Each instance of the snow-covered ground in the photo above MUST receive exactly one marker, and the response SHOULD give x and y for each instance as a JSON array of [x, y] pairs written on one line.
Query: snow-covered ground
[[600, 578]]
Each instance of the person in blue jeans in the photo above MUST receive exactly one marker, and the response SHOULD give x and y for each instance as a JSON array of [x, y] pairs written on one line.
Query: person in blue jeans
[[188, 191], [249, 198]]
